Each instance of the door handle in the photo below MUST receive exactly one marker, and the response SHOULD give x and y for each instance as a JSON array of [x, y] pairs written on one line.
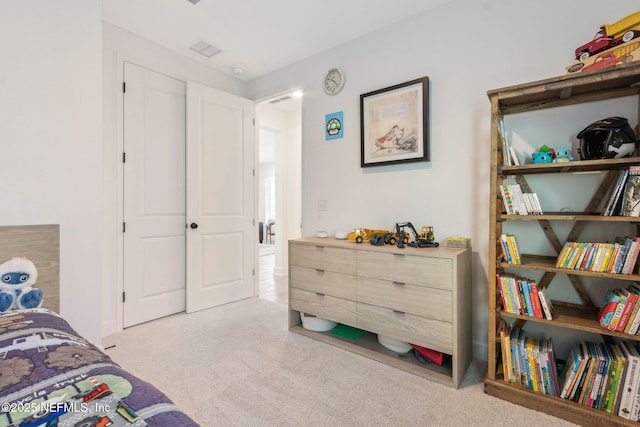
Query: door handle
[[193, 226]]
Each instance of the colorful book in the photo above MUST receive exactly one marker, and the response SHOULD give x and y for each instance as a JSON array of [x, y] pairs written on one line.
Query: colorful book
[[507, 200], [631, 300], [563, 254], [608, 308], [630, 380], [619, 309], [535, 300], [570, 371], [616, 379]]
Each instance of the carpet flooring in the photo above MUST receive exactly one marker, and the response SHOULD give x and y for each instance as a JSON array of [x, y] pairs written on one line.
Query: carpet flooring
[[239, 365]]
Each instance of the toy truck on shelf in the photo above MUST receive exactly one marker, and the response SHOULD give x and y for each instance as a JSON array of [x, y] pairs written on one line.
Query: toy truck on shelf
[[623, 53], [610, 35]]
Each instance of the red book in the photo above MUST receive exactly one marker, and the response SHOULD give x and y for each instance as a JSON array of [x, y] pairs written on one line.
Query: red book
[[535, 301], [632, 298]]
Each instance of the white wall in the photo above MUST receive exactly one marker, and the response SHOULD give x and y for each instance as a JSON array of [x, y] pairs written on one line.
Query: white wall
[[465, 47], [50, 128], [120, 46]]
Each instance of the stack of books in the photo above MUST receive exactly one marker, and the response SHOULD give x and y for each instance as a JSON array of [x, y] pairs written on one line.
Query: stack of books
[[523, 296], [619, 257], [620, 310], [516, 202], [604, 376], [458, 242], [528, 361]]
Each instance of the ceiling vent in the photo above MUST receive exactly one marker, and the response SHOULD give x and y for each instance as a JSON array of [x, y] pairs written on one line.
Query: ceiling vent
[[204, 48], [276, 100]]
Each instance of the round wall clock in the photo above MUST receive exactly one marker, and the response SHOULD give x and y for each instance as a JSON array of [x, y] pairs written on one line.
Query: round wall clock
[[333, 81]]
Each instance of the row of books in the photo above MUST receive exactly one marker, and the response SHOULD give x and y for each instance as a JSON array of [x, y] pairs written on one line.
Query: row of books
[[517, 202], [523, 296], [510, 249], [624, 196], [528, 361], [620, 310], [618, 257], [604, 376]]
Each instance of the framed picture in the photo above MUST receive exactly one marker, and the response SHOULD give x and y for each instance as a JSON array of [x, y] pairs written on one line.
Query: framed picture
[[394, 124]]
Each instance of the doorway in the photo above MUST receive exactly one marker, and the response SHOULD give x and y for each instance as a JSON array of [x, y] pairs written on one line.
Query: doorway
[[279, 184]]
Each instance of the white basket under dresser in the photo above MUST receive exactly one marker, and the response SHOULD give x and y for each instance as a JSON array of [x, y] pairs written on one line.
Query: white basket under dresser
[[416, 295]]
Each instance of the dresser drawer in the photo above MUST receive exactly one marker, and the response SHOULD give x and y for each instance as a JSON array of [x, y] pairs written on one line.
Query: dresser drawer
[[420, 300], [324, 258], [323, 281], [430, 333], [337, 309], [418, 270]]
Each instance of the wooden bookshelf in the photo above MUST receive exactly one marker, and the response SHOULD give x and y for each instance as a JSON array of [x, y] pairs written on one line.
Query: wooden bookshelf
[[567, 90]]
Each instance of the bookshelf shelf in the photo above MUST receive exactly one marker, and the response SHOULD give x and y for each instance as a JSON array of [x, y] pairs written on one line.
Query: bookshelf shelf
[[585, 217], [562, 91], [577, 166], [544, 263], [577, 318]]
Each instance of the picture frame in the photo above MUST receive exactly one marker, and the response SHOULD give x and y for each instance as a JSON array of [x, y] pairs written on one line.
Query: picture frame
[[394, 124]]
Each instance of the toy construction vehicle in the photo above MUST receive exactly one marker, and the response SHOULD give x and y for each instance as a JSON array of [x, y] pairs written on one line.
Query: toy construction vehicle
[[362, 234], [424, 239], [387, 238]]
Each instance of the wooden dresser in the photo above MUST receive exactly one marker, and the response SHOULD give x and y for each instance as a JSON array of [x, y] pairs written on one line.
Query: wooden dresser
[[421, 296]]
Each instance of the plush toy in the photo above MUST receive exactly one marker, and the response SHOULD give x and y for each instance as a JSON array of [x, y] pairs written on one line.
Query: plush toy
[[563, 155], [543, 155], [16, 278]]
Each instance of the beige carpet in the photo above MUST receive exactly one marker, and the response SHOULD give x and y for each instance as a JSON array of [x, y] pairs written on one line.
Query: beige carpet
[[238, 365]]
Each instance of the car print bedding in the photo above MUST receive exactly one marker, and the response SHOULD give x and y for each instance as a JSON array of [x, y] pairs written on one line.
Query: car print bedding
[[51, 376]]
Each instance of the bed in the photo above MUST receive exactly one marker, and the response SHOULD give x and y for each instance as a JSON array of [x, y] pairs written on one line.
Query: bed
[[50, 375]]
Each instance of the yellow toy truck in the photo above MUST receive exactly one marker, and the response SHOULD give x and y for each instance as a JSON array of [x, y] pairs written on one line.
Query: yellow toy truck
[[610, 35], [362, 234]]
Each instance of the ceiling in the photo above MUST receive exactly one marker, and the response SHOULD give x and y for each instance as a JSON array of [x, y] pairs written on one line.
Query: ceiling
[[257, 36]]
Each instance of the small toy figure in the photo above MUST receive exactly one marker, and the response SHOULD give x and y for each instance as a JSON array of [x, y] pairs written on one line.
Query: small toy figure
[[541, 158], [16, 278], [543, 155], [563, 155]]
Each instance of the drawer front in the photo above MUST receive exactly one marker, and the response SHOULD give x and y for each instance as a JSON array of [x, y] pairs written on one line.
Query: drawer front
[[325, 306], [418, 270], [420, 300], [429, 333], [323, 281], [324, 258]]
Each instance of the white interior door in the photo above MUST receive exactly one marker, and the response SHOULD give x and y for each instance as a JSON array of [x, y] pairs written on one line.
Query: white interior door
[[221, 238], [154, 195]]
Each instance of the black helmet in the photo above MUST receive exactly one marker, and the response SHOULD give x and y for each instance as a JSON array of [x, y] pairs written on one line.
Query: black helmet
[[609, 138]]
